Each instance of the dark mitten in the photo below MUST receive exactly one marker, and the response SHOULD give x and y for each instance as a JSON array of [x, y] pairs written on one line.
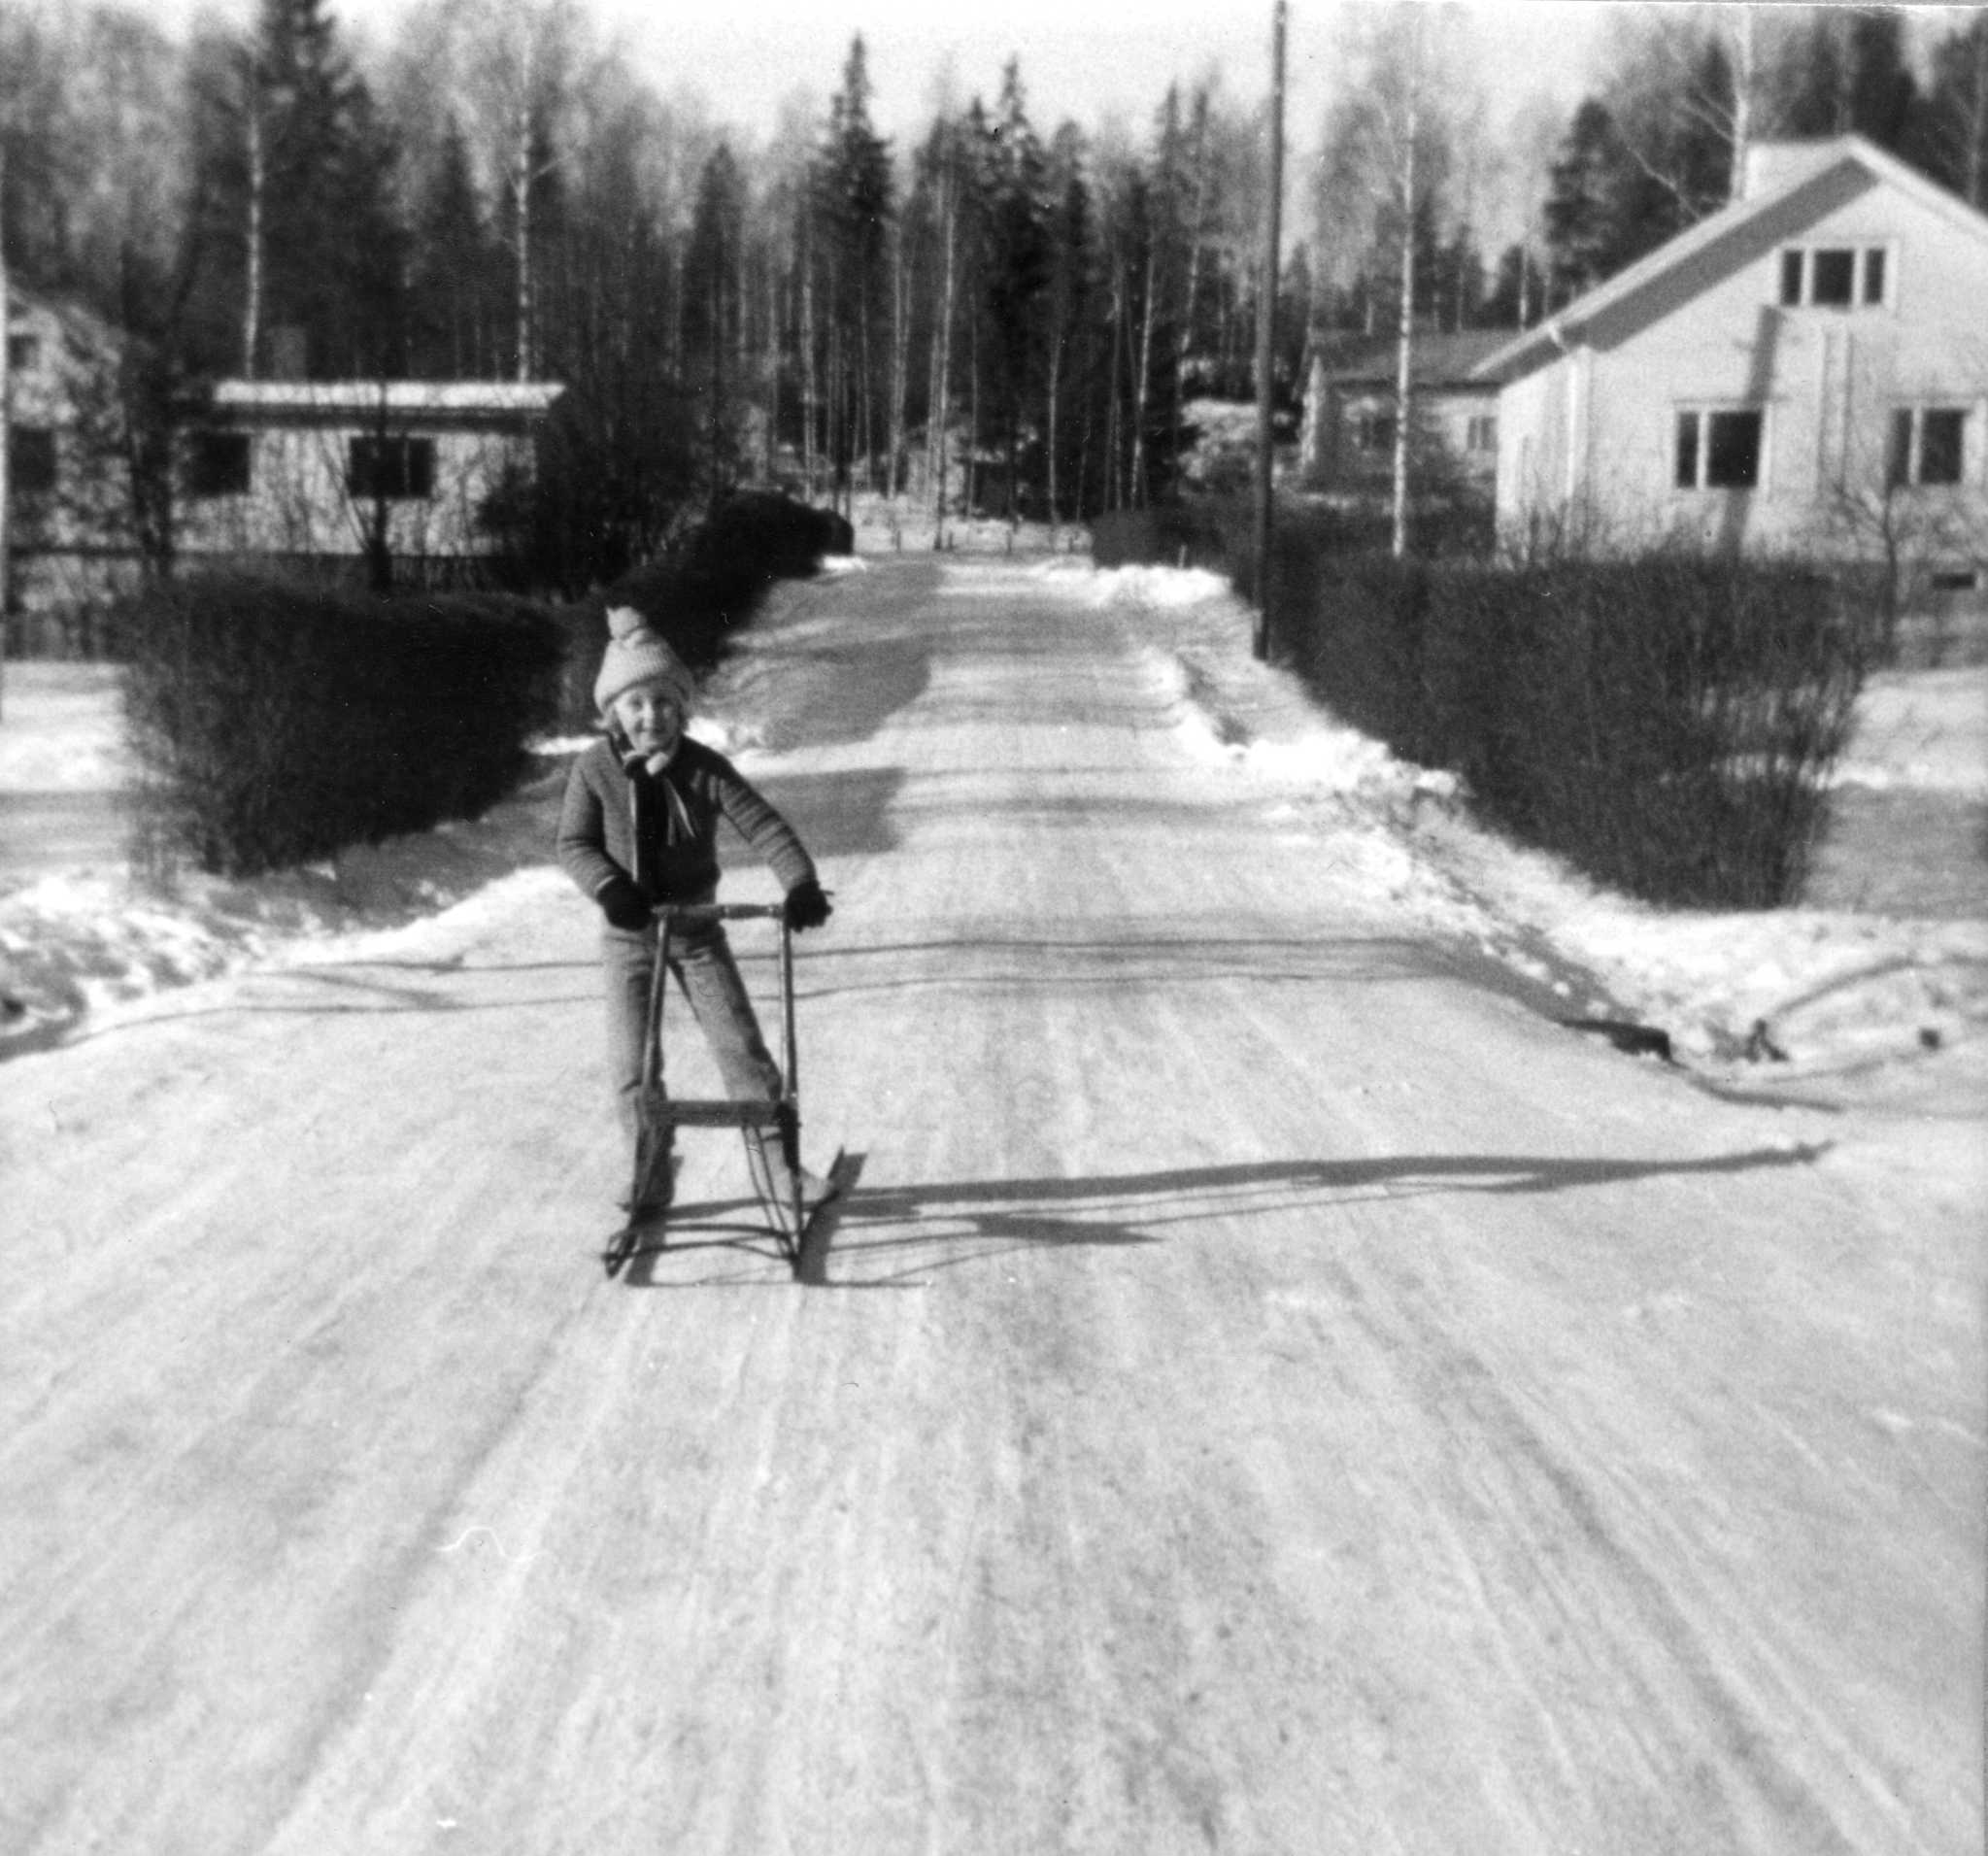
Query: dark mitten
[[806, 906], [623, 904]]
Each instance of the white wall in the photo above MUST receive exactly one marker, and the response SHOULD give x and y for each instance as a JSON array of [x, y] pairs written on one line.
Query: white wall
[[1828, 381], [298, 501]]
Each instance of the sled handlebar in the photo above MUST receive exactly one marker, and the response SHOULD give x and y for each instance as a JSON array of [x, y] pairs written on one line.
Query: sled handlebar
[[719, 911]]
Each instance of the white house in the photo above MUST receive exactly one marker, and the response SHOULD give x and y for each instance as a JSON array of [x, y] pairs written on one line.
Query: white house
[[1806, 368], [68, 505], [327, 470]]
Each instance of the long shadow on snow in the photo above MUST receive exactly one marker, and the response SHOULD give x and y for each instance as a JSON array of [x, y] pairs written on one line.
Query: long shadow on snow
[[840, 814], [1123, 959], [981, 1221]]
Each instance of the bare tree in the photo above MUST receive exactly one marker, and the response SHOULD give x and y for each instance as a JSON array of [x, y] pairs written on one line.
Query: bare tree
[[1899, 495], [1387, 155], [517, 60]]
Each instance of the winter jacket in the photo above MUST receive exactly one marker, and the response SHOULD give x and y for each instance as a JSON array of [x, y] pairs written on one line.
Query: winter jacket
[[661, 830]]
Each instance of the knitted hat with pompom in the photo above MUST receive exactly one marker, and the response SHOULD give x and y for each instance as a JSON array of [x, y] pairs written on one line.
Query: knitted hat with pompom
[[636, 655]]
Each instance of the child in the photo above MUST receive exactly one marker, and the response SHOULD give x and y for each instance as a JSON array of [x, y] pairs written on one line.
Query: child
[[640, 827]]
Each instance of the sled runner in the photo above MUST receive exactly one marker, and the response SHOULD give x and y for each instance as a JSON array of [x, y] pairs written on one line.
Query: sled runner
[[661, 1114]]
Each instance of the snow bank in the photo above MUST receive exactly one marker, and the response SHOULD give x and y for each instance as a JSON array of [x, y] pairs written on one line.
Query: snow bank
[[1156, 588], [60, 730], [78, 942], [1921, 730]]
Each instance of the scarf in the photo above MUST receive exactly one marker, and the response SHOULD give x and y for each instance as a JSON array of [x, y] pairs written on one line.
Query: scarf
[[677, 827]]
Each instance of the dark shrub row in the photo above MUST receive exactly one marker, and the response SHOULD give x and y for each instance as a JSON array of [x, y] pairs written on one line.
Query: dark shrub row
[[274, 723], [1220, 534], [1666, 722], [707, 585]]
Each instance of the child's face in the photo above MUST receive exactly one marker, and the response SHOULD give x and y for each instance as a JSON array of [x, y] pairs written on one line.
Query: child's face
[[651, 721]]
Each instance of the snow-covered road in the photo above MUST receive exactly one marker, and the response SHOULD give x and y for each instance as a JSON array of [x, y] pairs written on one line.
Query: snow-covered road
[[1272, 1390]]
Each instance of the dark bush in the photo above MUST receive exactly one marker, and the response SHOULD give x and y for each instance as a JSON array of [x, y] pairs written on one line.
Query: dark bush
[[1220, 534], [708, 584], [1666, 722], [773, 535], [275, 722]]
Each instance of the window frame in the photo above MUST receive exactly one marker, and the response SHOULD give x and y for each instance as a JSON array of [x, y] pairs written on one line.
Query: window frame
[[411, 478], [1905, 466], [204, 481], [1869, 259], [1696, 417], [34, 460], [1374, 430]]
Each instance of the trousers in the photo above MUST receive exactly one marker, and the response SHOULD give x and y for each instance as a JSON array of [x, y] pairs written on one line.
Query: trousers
[[700, 957]]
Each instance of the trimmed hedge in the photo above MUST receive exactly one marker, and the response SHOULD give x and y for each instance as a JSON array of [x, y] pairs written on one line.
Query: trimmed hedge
[[275, 722], [1667, 722], [1219, 534]]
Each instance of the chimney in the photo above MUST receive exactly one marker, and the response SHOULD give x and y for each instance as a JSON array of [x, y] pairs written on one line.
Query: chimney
[[1771, 166], [286, 351]]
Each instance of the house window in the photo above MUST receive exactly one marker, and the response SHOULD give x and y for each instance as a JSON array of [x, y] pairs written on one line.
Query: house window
[[1373, 431], [1833, 276], [31, 460], [23, 351], [396, 469], [1874, 275], [220, 464], [1719, 450], [1481, 434], [1929, 446]]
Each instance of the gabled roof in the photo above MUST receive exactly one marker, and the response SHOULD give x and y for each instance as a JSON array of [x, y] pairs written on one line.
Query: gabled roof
[[1804, 180], [301, 402], [79, 323], [1436, 358]]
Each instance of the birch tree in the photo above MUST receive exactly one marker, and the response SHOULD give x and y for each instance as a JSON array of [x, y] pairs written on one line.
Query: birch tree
[[517, 59], [1387, 152]]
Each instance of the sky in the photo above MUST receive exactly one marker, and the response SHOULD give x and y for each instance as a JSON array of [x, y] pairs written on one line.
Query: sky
[[1098, 62], [1090, 60], [1086, 60]]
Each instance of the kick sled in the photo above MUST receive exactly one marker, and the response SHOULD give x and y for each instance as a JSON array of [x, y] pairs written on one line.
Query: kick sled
[[660, 1114]]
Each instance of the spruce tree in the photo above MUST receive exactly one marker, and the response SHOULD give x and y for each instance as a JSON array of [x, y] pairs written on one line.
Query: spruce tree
[[455, 278], [1950, 141], [851, 206], [712, 312], [332, 253], [1017, 270]]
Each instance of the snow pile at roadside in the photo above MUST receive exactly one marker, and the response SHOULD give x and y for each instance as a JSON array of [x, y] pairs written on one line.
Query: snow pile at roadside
[[78, 942], [1784, 994], [1150, 586], [61, 729], [1922, 731]]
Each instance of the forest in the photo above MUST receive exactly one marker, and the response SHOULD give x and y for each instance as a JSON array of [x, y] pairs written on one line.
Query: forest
[[992, 317]]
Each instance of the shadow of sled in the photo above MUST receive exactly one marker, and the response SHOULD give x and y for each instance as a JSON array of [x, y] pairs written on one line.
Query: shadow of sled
[[996, 1218], [739, 1226]]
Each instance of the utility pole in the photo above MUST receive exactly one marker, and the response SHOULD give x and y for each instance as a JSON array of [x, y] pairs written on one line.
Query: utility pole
[[1404, 338], [1266, 329], [6, 422]]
